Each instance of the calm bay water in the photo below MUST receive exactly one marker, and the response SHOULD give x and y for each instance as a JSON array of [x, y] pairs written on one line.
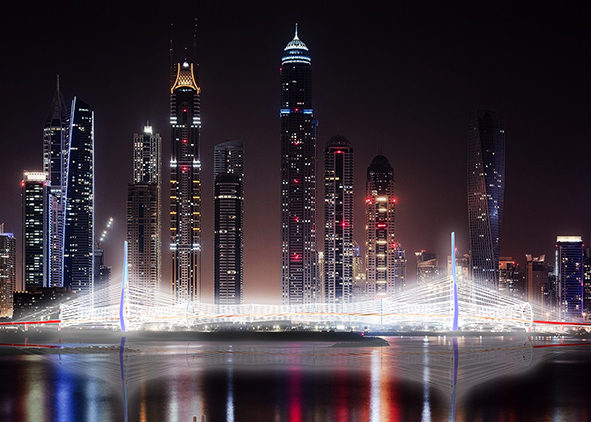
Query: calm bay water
[[413, 379]]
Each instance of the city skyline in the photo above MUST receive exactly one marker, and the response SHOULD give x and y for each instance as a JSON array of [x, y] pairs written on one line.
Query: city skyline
[[395, 149]]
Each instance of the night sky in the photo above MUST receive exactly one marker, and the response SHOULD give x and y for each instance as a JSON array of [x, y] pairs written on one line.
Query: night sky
[[403, 80]]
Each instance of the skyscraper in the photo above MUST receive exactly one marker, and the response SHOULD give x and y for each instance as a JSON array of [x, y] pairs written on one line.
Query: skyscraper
[[486, 186], [144, 212], [7, 271], [338, 221], [298, 176], [185, 184], [381, 248], [570, 274], [79, 202], [36, 229], [228, 225], [55, 163]]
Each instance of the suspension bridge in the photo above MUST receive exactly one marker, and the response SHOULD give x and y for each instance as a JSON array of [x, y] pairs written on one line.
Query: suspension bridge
[[444, 304]]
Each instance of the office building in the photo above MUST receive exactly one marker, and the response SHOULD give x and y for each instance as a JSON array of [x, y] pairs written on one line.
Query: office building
[[228, 222], [7, 271], [338, 221], [298, 176], [36, 229], [79, 202], [569, 270], [486, 186], [536, 278]]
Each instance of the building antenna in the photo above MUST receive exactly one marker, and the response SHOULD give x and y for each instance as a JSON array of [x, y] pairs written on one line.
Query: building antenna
[[170, 51], [296, 31], [195, 39]]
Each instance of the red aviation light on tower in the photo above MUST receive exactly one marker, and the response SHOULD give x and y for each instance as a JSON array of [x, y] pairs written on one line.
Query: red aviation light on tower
[[296, 257], [185, 169], [344, 224], [184, 141], [184, 110], [381, 225], [393, 200], [296, 181], [368, 200], [339, 152]]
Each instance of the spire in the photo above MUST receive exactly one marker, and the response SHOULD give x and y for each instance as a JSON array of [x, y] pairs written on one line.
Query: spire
[[296, 32], [57, 112]]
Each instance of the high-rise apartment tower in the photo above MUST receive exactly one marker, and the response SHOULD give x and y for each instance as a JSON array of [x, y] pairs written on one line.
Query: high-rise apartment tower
[[338, 221], [381, 248], [144, 212], [228, 224]]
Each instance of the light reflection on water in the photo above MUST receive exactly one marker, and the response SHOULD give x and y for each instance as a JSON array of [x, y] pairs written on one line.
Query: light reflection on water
[[412, 379]]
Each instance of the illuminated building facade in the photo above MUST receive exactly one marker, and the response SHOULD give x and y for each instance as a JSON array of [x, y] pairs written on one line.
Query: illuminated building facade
[[298, 177], [228, 225], [144, 212], [7, 271], [381, 248], [185, 184], [486, 187], [79, 201], [338, 221], [570, 275], [55, 162], [36, 229]]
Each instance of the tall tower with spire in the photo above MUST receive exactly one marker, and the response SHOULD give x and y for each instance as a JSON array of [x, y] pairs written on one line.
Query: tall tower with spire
[[55, 161], [298, 176], [185, 182]]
